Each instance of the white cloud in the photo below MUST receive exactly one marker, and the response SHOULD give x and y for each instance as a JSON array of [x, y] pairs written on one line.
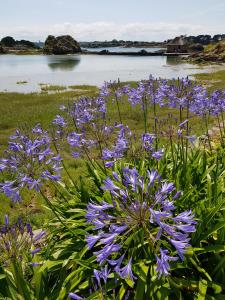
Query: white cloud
[[107, 31]]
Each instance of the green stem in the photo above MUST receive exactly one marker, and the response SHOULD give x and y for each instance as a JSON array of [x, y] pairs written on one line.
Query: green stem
[[53, 209], [20, 281], [221, 133], [155, 125], [207, 132], [118, 108]]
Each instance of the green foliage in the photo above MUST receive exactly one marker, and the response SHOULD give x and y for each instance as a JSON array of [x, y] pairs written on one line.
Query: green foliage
[[66, 264]]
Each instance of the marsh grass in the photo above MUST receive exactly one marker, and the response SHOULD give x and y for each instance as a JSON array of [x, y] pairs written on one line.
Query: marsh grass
[[21, 82], [53, 88]]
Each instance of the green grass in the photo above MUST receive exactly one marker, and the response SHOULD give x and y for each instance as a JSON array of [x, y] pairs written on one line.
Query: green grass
[[53, 88], [21, 82], [19, 109], [214, 80]]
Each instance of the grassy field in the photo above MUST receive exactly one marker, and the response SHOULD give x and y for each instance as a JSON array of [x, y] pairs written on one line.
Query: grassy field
[[213, 80], [19, 109]]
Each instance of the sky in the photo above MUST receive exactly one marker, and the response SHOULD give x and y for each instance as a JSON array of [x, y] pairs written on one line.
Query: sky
[[89, 20]]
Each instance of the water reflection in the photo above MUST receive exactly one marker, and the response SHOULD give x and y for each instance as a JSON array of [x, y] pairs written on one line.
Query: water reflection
[[62, 63], [174, 60]]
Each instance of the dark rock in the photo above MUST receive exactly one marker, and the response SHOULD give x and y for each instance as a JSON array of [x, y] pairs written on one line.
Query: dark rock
[[196, 47], [64, 44], [104, 51], [143, 52], [2, 51]]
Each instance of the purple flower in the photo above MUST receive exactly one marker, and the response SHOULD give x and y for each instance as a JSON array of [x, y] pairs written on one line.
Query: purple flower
[[97, 275], [29, 160], [185, 217], [110, 164], [104, 253], [181, 125], [167, 188], [98, 224], [121, 145], [192, 138], [103, 274], [108, 238], [116, 263], [109, 185], [147, 141], [140, 203], [6, 220], [117, 228], [101, 206], [35, 251], [152, 175], [158, 154], [186, 228], [75, 297], [180, 246], [39, 236], [163, 266], [126, 272], [59, 120], [92, 240], [104, 91]]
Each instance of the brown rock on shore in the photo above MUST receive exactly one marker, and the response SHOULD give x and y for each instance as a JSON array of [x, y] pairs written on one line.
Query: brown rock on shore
[[215, 53], [2, 50], [64, 44]]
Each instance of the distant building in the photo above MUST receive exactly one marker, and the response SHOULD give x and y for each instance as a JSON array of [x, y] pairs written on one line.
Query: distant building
[[178, 45]]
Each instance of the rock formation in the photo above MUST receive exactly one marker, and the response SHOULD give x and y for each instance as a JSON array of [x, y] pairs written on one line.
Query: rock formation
[[215, 53], [64, 44], [2, 51]]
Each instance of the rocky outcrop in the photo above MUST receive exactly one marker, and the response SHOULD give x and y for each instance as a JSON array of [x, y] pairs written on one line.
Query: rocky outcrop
[[2, 51], [196, 47], [214, 53], [64, 44]]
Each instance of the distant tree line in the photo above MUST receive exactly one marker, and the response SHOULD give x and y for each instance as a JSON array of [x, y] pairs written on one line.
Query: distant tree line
[[118, 43], [10, 42], [204, 39]]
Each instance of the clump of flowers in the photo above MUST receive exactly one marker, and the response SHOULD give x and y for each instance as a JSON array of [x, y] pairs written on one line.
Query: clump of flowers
[[18, 242], [138, 210], [29, 160], [148, 144], [87, 110], [120, 146]]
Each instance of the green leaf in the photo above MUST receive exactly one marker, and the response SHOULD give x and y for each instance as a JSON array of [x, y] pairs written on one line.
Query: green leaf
[[202, 289]]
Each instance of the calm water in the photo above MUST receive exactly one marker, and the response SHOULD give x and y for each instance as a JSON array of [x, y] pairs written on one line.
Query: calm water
[[85, 69], [120, 49]]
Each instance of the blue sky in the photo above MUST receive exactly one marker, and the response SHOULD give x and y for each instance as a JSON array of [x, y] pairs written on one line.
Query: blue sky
[[107, 19]]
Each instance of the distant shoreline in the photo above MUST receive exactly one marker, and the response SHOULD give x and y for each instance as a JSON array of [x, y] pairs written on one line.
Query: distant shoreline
[[103, 52]]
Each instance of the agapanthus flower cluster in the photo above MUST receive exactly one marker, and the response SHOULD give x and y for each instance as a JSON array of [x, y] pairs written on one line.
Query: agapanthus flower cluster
[[182, 93], [138, 204], [19, 243], [148, 143], [28, 162], [79, 143], [120, 146], [87, 110]]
